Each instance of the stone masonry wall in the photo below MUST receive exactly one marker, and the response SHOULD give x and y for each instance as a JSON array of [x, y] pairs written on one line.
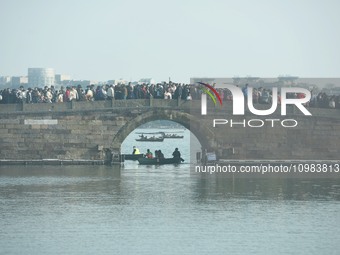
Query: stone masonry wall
[[313, 138], [82, 130], [70, 136]]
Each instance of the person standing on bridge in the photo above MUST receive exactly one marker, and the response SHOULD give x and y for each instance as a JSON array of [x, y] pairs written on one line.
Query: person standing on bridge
[[245, 90], [135, 150], [110, 92]]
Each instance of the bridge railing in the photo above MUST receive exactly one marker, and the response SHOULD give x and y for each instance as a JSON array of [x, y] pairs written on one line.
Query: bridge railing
[[193, 106], [93, 105]]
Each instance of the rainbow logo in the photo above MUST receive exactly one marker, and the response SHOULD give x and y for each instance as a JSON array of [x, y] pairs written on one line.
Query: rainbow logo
[[205, 90]]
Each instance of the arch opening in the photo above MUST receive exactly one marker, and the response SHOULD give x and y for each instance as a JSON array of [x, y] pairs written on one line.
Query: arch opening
[[182, 118], [197, 134], [179, 137]]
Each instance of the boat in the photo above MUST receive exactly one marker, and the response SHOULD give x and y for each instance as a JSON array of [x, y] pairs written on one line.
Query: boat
[[173, 136], [143, 138], [157, 161], [150, 139], [132, 156]]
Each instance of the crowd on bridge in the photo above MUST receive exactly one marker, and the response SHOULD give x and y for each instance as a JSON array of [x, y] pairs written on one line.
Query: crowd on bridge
[[163, 90], [100, 92]]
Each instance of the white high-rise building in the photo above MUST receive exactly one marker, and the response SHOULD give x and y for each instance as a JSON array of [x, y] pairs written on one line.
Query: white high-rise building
[[41, 77]]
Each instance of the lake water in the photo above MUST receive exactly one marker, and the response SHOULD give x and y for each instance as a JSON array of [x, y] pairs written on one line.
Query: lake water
[[163, 210]]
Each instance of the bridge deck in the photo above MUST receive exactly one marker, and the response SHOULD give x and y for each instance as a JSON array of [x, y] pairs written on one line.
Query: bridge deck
[[193, 106]]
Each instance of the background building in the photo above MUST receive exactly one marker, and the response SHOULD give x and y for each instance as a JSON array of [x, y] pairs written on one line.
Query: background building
[[40, 77], [147, 81], [5, 81], [61, 78], [18, 81]]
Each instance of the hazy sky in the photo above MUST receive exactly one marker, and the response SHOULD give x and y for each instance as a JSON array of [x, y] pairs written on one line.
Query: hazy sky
[[131, 39]]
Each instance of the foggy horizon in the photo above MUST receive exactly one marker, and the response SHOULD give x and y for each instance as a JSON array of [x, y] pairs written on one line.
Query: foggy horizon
[[103, 40]]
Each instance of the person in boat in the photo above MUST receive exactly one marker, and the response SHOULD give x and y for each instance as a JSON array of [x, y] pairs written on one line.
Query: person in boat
[[135, 150], [148, 154], [177, 154], [160, 154]]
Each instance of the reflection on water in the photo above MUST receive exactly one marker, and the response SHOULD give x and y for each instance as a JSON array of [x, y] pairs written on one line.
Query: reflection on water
[[163, 210]]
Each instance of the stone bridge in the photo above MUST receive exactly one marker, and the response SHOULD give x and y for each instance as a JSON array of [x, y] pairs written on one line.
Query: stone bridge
[[83, 130]]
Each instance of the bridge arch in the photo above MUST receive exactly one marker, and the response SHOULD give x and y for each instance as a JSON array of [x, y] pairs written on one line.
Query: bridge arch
[[203, 134]]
